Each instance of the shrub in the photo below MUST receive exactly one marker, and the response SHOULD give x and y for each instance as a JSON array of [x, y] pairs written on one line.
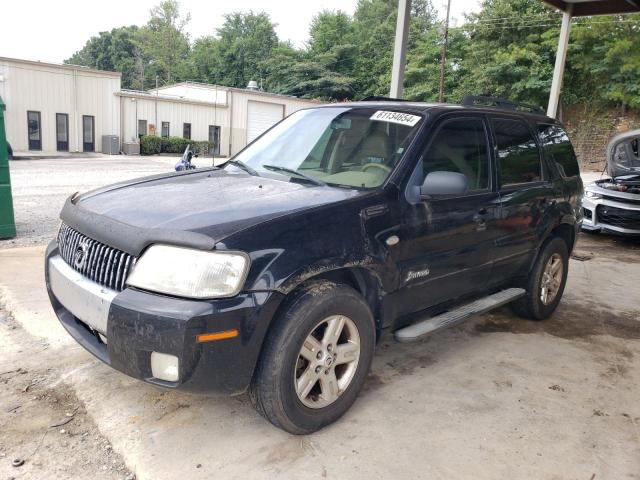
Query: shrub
[[150, 145], [201, 148], [175, 144]]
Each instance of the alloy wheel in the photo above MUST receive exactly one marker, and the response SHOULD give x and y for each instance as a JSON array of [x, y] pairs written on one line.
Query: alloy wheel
[[327, 361], [551, 279]]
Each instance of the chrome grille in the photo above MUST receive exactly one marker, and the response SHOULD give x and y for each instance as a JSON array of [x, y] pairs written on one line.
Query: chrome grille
[[96, 261]]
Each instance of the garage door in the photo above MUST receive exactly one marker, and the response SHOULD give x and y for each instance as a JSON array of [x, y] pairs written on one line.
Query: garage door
[[261, 116]]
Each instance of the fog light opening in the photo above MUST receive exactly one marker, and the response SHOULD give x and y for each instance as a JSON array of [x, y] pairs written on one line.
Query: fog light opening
[[165, 367]]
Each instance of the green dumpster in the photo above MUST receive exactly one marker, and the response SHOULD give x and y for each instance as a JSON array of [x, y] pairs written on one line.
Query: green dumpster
[[7, 222]]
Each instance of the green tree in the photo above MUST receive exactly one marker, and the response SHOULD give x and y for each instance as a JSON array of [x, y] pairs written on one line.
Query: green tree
[[165, 43], [114, 51], [244, 42], [507, 53]]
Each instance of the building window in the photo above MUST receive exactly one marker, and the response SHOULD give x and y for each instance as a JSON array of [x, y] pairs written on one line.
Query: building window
[[142, 128], [62, 132], [165, 129], [186, 131], [34, 129]]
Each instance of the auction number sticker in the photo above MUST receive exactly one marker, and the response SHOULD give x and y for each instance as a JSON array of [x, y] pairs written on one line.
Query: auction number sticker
[[395, 117]]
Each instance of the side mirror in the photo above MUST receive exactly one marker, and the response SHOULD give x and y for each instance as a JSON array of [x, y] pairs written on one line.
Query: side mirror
[[195, 155], [444, 183]]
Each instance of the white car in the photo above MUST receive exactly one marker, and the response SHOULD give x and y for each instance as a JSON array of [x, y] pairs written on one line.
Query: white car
[[613, 204]]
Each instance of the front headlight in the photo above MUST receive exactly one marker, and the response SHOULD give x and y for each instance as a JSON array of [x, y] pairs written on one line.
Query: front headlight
[[592, 194], [185, 272]]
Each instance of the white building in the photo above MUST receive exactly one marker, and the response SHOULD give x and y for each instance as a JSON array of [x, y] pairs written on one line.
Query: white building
[[58, 108]]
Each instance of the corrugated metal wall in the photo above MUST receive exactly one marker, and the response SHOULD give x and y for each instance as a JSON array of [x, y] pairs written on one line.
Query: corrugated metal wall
[[138, 107], [51, 89]]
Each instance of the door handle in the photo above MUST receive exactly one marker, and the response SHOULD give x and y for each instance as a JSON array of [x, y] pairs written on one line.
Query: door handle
[[479, 217]]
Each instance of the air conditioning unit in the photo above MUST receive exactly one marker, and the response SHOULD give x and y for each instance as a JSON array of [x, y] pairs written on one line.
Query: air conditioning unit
[[132, 148], [111, 144]]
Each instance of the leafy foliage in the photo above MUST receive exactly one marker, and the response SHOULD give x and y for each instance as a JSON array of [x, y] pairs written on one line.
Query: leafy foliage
[[153, 145], [507, 49]]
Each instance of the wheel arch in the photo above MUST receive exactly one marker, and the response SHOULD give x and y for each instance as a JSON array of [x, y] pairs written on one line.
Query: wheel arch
[[363, 280], [566, 232]]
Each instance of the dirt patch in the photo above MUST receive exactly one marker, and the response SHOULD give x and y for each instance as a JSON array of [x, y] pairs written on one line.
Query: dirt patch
[[570, 321], [44, 429], [609, 247]]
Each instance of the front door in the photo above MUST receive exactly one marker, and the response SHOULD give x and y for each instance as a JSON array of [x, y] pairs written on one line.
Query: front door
[[214, 140], [445, 243], [88, 134], [62, 132]]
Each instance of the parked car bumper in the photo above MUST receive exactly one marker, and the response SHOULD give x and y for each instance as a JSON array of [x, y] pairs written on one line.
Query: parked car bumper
[[606, 215], [123, 329]]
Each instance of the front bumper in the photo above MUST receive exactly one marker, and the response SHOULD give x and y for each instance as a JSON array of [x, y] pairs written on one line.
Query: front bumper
[[134, 324], [606, 215]]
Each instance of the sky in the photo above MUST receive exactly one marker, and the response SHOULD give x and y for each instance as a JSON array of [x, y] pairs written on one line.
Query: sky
[[61, 27]]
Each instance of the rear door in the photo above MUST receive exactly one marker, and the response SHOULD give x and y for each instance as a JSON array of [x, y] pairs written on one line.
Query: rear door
[[444, 242], [526, 196]]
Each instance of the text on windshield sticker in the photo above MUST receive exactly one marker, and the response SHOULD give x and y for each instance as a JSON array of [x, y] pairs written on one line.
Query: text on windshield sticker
[[395, 117]]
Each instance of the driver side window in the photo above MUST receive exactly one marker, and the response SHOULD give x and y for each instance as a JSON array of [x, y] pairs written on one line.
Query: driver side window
[[460, 146]]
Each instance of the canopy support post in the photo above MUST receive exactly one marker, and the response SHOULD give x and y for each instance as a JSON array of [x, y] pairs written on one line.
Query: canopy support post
[[400, 48], [561, 58]]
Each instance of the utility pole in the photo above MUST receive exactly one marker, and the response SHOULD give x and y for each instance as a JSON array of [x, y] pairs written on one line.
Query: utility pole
[[443, 60], [156, 132]]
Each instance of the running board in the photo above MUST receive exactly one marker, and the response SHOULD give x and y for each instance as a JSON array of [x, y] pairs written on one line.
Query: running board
[[459, 315]]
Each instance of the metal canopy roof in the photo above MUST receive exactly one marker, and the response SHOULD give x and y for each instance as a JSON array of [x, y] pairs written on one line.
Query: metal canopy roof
[[583, 8]]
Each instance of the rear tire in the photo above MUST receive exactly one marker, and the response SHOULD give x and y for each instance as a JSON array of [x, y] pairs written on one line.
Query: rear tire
[[546, 282], [315, 358]]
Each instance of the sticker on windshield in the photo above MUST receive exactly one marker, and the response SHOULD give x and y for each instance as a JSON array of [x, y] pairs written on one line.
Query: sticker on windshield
[[396, 117]]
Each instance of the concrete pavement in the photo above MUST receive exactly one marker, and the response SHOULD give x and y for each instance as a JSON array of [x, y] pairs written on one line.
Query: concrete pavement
[[496, 398]]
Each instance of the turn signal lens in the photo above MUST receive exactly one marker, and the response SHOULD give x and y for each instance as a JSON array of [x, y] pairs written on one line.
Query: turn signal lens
[[212, 337]]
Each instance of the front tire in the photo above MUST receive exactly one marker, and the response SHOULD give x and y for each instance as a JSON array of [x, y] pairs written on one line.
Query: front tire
[[546, 282], [315, 358]]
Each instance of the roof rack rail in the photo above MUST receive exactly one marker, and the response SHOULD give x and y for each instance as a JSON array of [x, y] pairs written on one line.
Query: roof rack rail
[[479, 100], [376, 98]]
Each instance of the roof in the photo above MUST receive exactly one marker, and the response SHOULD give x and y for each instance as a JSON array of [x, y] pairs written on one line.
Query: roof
[[209, 86], [423, 107], [163, 97], [582, 8], [64, 66]]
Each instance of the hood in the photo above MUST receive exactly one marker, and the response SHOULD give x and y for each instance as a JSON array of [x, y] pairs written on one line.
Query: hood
[[623, 154], [213, 202]]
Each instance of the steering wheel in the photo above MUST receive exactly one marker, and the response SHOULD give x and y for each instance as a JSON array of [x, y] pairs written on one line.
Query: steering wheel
[[380, 166]]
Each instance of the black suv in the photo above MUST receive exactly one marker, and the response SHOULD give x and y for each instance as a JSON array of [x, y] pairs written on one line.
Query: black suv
[[281, 270]]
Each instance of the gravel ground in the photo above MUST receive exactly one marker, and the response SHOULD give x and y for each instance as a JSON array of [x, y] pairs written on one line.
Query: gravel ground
[[40, 188]]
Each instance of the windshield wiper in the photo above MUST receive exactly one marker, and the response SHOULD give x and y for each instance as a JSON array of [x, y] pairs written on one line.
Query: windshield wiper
[[277, 168], [243, 166]]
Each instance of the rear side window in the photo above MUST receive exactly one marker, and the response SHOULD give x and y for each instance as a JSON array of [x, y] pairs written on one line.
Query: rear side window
[[558, 149], [518, 153], [460, 146]]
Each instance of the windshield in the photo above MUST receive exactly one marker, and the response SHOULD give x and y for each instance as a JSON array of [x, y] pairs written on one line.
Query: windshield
[[342, 146], [185, 155]]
